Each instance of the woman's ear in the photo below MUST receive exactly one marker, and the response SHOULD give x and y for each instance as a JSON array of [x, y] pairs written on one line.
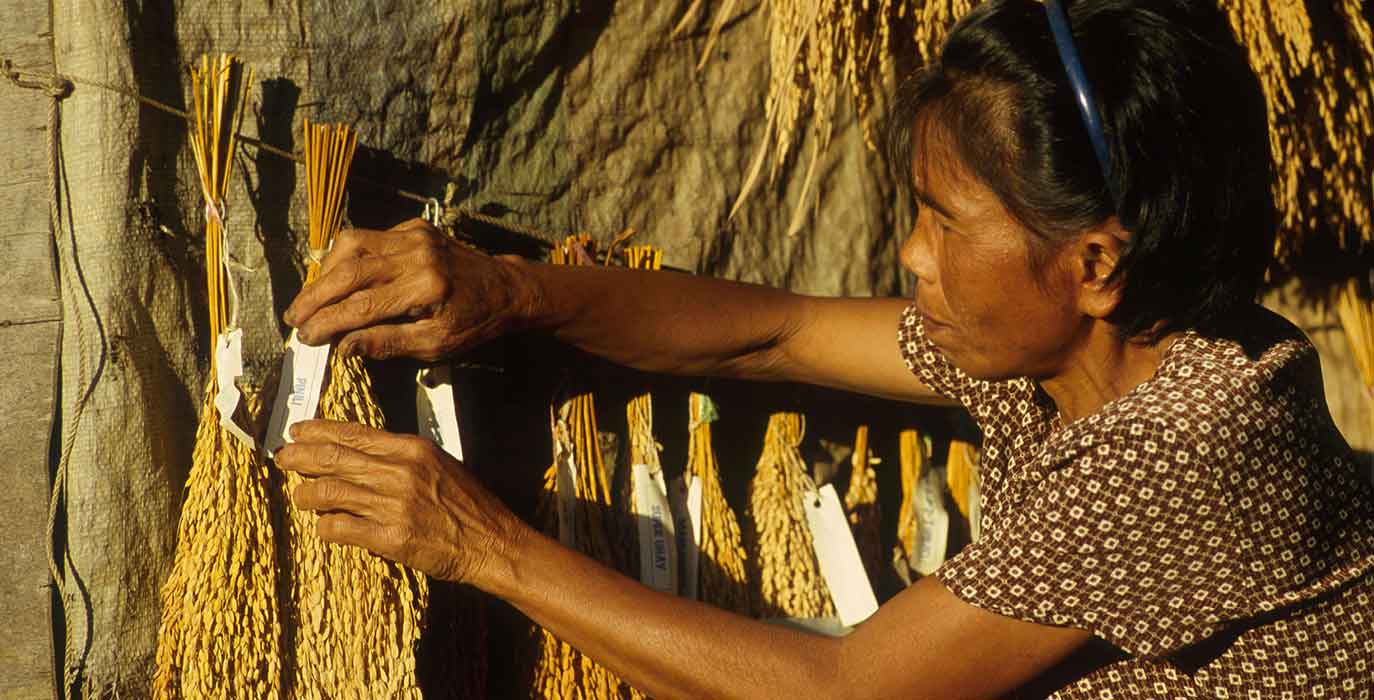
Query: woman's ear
[[1097, 254]]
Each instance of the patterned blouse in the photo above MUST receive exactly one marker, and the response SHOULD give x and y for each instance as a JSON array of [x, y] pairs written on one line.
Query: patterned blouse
[[1211, 527]]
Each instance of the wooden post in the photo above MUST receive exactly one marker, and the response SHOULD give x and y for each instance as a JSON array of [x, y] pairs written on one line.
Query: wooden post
[[30, 321]]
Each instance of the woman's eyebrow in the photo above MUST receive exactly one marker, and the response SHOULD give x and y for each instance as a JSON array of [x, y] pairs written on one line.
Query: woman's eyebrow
[[926, 200]]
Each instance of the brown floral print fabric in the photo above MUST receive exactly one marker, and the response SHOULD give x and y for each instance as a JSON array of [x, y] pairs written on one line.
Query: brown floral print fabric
[[1212, 524]]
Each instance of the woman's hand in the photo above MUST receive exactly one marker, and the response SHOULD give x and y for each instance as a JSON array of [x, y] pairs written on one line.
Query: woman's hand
[[402, 498], [409, 291]]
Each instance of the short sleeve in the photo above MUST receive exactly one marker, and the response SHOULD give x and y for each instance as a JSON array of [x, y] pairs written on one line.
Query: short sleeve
[[991, 403], [928, 363], [1128, 539]]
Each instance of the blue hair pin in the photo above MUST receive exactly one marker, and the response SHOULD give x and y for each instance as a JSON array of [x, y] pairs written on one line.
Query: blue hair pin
[[1083, 93]]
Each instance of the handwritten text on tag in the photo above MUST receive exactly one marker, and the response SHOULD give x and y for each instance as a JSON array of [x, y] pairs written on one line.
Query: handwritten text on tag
[[298, 395]]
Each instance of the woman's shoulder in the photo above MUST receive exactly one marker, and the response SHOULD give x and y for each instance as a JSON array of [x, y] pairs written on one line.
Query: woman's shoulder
[[1219, 400], [1256, 369]]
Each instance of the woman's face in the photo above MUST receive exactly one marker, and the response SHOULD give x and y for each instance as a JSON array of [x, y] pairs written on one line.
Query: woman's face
[[982, 303]]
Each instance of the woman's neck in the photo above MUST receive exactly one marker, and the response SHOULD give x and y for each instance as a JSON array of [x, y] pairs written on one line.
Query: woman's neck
[[1103, 367]]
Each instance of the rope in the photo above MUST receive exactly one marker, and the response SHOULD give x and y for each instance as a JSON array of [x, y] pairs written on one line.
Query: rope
[[61, 86], [58, 88]]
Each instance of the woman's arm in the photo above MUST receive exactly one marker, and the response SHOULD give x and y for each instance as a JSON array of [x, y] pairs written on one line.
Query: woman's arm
[[402, 498], [924, 643], [412, 291]]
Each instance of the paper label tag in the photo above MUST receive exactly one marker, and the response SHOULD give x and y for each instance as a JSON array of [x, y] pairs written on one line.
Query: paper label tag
[[567, 499], [657, 543], [838, 557], [229, 367], [688, 524], [435, 413], [932, 532], [298, 395]]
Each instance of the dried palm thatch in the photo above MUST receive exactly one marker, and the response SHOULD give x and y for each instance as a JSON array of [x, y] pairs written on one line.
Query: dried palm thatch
[[220, 632]]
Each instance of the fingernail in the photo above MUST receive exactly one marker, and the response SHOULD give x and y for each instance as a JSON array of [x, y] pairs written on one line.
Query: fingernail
[[294, 430], [289, 317]]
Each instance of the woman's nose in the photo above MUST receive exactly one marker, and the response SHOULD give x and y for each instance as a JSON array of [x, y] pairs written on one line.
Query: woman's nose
[[916, 254]]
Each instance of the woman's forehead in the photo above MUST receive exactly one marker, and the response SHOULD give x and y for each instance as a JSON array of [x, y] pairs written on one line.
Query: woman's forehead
[[942, 181]]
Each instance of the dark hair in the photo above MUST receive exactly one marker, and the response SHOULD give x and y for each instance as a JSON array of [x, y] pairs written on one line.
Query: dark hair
[[1185, 122]]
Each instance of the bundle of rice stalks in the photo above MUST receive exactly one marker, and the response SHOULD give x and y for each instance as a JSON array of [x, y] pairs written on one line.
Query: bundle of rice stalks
[[1315, 63], [861, 505], [788, 578], [722, 574], [961, 473], [220, 633], [644, 450], [576, 506], [912, 457], [356, 617], [1356, 313], [814, 48]]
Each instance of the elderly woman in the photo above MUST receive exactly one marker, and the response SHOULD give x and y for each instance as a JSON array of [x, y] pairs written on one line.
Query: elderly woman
[[1169, 510]]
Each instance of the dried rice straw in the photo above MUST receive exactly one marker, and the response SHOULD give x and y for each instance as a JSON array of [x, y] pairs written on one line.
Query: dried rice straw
[[788, 577], [861, 505], [561, 671], [220, 634], [358, 617]]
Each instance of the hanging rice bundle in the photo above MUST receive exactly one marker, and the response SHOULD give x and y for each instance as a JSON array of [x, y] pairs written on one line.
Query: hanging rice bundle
[[576, 506], [357, 617], [861, 504], [644, 448], [961, 473], [814, 47], [722, 575], [1356, 313], [220, 634], [912, 455], [789, 582], [1316, 71], [1315, 63]]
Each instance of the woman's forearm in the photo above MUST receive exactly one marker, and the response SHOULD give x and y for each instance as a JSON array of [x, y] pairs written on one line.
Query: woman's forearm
[[666, 646], [684, 324], [664, 321]]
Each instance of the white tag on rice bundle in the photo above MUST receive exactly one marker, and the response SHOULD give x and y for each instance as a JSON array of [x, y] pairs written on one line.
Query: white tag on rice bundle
[[435, 413], [684, 495], [657, 542], [932, 532], [838, 557], [298, 395], [229, 367]]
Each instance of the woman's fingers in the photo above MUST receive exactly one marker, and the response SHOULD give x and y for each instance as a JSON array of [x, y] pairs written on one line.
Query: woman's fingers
[[364, 447], [352, 530], [328, 459], [330, 494], [403, 299], [347, 277], [422, 340]]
